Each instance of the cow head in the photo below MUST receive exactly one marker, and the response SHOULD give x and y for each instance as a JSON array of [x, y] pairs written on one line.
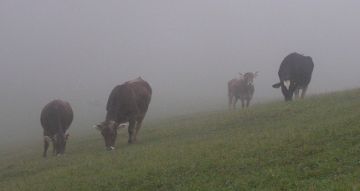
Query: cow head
[[59, 142], [287, 89], [108, 130], [249, 77]]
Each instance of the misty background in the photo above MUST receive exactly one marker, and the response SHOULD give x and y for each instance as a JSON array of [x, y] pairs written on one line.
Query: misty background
[[78, 50]]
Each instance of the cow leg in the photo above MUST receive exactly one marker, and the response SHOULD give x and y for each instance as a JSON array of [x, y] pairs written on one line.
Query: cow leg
[[296, 92], [234, 103], [242, 103], [46, 146], [230, 100], [247, 102], [54, 150], [138, 127], [303, 92], [131, 130]]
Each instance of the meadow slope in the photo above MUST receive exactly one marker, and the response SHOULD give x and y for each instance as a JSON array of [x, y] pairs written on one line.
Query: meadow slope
[[311, 144]]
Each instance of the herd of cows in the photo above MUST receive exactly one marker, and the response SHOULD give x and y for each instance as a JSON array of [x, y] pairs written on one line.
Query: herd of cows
[[128, 103]]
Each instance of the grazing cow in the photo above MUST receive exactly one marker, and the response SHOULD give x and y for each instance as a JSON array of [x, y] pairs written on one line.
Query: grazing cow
[[242, 89], [295, 74], [56, 118], [127, 103]]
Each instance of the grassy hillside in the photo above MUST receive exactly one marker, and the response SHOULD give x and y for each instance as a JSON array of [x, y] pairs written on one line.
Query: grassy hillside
[[313, 144]]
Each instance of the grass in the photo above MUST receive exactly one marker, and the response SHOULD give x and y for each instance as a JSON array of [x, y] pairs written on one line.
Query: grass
[[311, 144]]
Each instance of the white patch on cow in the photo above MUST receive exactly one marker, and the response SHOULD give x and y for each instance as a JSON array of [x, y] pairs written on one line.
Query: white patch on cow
[[287, 84]]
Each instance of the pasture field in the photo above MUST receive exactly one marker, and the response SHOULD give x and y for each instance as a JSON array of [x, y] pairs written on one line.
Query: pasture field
[[311, 144]]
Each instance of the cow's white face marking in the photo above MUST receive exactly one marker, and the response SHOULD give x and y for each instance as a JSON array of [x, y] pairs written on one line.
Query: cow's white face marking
[[287, 84]]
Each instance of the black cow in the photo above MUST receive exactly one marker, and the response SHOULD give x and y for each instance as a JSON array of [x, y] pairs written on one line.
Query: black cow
[[56, 118], [242, 88], [127, 103], [295, 74]]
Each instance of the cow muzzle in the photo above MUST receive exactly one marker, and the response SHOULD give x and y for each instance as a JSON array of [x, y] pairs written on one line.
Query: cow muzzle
[[110, 148]]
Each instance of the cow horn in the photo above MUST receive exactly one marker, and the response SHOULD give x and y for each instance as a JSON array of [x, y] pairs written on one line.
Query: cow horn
[[123, 125]]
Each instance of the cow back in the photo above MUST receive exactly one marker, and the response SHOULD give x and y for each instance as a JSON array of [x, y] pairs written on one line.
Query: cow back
[[56, 116], [128, 100], [296, 67]]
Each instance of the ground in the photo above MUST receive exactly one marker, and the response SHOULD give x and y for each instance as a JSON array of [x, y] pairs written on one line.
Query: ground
[[311, 144]]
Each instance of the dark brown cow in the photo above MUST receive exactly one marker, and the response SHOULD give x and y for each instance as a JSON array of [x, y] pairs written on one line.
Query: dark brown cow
[[242, 89], [295, 74], [56, 118], [127, 103]]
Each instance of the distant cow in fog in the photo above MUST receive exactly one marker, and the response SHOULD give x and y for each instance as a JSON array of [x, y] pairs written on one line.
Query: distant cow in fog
[[242, 88], [295, 74], [127, 103], [56, 118]]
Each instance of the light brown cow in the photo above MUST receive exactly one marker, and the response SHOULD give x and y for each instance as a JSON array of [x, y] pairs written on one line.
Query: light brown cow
[[242, 88]]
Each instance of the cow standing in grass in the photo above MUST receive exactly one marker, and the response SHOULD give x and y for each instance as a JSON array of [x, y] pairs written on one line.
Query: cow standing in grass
[[56, 118], [295, 74], [127, 104], [242, 88]]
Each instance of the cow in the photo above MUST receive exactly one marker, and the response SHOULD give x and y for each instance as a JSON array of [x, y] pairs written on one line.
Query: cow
[[242, 88], [56, 118], [126, 106], [295, 74]]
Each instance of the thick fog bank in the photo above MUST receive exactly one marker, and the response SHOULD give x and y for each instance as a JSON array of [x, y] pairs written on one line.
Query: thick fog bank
[[187, 50]]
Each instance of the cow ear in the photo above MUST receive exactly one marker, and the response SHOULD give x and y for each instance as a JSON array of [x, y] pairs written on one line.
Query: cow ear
[[98, 127], [277, 85]]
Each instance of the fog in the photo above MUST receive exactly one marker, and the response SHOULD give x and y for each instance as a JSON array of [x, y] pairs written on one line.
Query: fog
[[78, 50]]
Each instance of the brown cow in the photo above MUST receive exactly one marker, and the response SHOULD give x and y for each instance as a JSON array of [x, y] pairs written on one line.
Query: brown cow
[[242, 89], [56, 118], [127, 103]]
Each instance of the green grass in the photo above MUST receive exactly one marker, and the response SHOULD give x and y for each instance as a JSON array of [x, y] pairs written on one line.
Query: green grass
[[311, 144]]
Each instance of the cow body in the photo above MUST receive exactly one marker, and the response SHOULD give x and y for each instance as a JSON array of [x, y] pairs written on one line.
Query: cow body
[[242, 89], [127, 103], [295, 75], [56, 118]]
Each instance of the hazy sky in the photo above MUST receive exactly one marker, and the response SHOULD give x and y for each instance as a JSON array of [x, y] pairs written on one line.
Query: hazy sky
[[78, 50]]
